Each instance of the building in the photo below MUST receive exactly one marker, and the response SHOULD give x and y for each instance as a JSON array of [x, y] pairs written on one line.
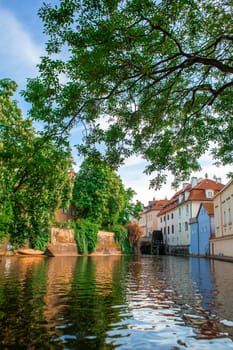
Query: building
[[174, 218], [222, 242], [148, 218], [167, 219], [201, 229], [65, 215]]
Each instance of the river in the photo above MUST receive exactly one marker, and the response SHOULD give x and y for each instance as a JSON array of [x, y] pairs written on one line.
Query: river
[[115, 302]]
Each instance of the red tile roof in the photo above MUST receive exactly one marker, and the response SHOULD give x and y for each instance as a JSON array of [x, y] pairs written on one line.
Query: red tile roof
[[196, 193], [209, 207], [156, 205], [206, 184]]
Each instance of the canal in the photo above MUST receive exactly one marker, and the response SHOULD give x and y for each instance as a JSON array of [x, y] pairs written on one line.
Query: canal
[[115, 302]]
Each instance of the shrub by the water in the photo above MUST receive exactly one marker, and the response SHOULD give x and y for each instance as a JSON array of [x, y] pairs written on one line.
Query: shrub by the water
[[121, 237], [86, 236]]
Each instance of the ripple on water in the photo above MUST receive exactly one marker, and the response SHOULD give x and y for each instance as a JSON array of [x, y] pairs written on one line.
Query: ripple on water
[[87, 303], [147, 328]]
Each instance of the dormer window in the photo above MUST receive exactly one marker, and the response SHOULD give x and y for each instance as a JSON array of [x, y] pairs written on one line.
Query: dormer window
[[209, 194], [180, 198], [186, 195]]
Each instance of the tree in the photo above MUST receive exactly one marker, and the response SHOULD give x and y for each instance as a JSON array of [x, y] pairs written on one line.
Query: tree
[[34, 178], [98, 193], [158, 72], [132, 210], [102, 202], [135, 233]]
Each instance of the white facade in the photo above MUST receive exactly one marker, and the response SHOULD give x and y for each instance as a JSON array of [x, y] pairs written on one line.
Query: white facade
[[186, 211], [149, 219], [175, 217], [168, 224]]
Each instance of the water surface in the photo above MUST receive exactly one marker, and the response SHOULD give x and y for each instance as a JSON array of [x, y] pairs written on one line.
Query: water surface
[[118, 302]]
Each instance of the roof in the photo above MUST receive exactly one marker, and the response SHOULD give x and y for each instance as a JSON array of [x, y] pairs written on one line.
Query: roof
[[155, 205], [209, 207], [196, 193], [206, 184]]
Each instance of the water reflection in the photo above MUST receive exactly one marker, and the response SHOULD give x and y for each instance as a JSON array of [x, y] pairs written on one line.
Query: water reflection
[[103, 302]]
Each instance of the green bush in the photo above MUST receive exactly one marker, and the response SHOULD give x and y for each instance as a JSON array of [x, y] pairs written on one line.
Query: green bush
[[6, 218], [121, 238], [39, 239], [86, 236]]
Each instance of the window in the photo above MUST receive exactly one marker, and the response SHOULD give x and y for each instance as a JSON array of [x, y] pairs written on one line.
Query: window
[[186, 226], [209, 193], [179, 211], [179, 227], [224, 218], [168, 230], [172, 215], [168, 216], [187, 208], [229, 216], [161, 219], [180, 198], [164, 218], [172, 228], [186, 195]]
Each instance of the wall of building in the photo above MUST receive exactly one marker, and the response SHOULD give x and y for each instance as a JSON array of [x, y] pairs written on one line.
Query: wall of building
[[204, 231], [64, 215], [223, 210], [222, 246], [222, 243]]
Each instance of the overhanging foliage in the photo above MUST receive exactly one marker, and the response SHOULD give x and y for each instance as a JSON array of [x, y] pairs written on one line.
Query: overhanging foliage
[[158, 72]]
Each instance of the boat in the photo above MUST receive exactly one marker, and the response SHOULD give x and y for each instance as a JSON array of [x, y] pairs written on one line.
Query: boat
[[29, 251]]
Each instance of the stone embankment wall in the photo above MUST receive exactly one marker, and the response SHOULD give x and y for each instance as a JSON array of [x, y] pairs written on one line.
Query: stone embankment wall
[[63, 243], [106, 244]]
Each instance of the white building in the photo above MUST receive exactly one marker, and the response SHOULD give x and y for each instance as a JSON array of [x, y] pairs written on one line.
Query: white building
[[175, 216], [149, 219]]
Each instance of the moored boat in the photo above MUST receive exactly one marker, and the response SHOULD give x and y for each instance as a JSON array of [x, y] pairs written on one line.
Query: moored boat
[[29, 251]]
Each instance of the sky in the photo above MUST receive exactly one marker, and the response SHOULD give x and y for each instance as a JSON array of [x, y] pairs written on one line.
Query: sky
[[21, 46]]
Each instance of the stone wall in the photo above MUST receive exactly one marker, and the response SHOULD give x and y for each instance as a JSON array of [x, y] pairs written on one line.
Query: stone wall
[[106, 244], [63, 243], [61, 235]]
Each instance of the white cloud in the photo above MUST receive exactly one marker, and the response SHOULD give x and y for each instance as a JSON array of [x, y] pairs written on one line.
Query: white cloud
[[134, 160], [132, 176], [19, 54]]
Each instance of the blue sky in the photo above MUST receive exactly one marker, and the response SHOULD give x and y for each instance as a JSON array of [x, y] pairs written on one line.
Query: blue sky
[[22, 44]]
